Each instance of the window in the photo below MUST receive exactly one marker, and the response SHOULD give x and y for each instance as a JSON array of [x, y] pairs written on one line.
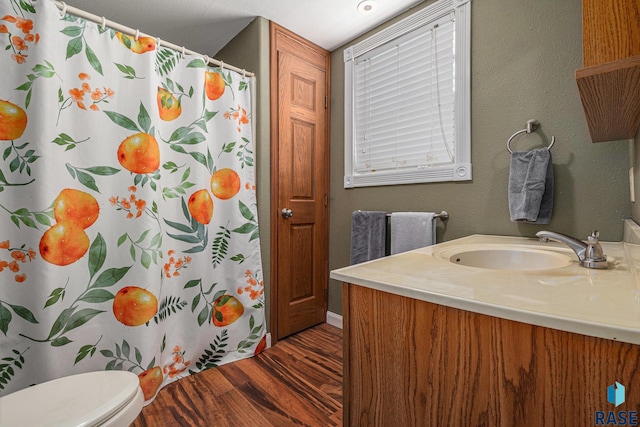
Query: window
[[407, 100]]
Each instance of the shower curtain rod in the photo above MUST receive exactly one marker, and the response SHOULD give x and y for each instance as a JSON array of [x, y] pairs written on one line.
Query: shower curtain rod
[[64, 8]]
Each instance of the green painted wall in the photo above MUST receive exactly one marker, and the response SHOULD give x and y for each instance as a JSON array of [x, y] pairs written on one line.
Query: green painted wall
[[523, 57]]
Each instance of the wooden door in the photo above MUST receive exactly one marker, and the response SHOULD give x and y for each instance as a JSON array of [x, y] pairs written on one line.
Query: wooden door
[[300, 176]]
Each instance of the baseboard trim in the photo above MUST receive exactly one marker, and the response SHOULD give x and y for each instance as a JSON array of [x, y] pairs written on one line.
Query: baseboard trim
[[334, 319]]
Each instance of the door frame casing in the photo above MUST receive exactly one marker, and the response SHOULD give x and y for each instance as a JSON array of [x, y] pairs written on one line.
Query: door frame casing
[[275, 31]]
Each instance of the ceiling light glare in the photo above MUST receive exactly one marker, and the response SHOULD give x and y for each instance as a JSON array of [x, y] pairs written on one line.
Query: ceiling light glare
[[367, 6]]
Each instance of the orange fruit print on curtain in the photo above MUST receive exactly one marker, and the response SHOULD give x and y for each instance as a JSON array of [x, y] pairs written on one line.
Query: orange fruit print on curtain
[[13, 121], [129, 235]]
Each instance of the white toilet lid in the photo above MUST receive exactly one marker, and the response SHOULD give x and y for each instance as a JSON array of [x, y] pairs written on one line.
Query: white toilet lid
[[78, 400]]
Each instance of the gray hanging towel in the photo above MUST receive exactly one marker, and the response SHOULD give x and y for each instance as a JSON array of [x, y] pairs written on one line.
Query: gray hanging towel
[[412, 230], [368, 235], [531, 186]]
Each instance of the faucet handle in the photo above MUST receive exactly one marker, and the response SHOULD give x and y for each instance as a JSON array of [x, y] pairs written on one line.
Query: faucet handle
[[594, 255]]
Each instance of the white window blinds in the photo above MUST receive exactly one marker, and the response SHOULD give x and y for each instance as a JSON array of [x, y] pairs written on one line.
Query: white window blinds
[[406, 110]]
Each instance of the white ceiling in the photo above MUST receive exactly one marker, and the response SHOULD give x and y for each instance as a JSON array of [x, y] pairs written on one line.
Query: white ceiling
[[205, 26]]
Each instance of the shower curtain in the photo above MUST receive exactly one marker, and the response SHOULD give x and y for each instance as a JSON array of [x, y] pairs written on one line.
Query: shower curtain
[[128, 220]]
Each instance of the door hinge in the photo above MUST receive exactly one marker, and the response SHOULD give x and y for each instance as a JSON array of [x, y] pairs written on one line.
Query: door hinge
[[326, 102], [326, 200]]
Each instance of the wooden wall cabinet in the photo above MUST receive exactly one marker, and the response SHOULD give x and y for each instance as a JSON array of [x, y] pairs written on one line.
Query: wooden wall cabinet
[[414, 363], [609, 83]]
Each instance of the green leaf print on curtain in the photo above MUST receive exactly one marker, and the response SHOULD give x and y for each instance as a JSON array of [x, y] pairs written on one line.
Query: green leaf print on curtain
[[128, 220]]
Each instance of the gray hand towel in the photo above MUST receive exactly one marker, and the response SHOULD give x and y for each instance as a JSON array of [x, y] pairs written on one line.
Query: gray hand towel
[[531, 186], [412, 230], [368, 235]]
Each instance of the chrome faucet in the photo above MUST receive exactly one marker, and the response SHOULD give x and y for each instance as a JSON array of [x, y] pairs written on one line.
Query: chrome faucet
[[590, 254]]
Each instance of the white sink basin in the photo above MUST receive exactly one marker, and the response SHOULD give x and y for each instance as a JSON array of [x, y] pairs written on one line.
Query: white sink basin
[[505, 257]]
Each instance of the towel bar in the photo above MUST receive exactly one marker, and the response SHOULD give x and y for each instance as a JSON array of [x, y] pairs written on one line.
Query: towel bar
[[442, 215], [531, 126]]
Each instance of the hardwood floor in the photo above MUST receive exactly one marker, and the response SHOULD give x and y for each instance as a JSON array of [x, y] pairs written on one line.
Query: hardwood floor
[[296, 382]]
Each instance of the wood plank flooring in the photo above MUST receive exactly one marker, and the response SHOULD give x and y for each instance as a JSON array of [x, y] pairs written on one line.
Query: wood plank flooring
[[296, 382]]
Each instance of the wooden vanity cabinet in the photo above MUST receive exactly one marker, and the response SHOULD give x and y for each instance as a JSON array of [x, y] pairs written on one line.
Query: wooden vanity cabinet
[[413, 363], [609, 83]]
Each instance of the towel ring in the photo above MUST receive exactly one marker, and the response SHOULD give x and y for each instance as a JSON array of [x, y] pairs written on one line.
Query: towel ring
[[531, 126]]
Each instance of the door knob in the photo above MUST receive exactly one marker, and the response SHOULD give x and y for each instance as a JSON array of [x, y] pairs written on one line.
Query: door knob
[[287, 213]]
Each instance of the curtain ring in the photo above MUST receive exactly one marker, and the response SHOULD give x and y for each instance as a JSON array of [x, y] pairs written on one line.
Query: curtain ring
[[158, 41], [221, 65], [137, 34], [64, 10], [182, 52], [103, 26], [206, 60], [244, 73]]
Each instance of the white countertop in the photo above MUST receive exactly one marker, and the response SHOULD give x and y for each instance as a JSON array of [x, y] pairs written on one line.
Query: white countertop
[[600, 303]]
